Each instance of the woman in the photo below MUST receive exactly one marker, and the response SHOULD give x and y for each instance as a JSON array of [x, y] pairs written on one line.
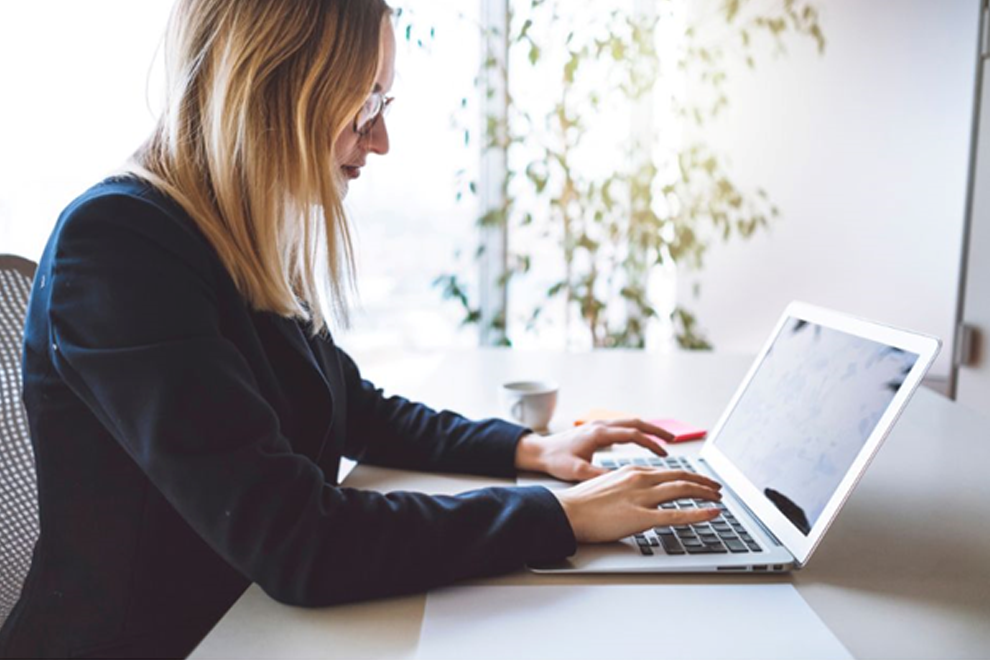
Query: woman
[[187, 404]]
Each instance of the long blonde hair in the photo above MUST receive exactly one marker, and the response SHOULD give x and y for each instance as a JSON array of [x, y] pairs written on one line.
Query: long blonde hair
[[258, 91]]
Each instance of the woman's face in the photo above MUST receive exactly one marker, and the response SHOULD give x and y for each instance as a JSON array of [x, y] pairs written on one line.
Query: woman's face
[[351, 148]]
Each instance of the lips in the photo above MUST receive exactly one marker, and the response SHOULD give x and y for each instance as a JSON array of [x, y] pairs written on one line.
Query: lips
[[351, 171]]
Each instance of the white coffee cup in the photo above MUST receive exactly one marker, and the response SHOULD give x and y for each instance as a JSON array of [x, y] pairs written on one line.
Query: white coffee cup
[[530, 402]]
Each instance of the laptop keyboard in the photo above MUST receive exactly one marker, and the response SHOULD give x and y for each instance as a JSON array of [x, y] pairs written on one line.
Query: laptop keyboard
[[723, 535]]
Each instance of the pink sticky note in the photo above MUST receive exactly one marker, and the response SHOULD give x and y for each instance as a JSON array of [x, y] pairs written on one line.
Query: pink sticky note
[[678, 431]]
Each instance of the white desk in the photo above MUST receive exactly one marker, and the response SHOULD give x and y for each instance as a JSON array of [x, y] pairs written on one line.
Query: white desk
[[903, 573]]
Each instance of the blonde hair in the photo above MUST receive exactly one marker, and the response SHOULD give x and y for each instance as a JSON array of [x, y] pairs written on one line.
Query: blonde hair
[[258, 91]]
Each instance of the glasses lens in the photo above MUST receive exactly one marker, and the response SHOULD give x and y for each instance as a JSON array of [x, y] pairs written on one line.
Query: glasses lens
[[368, 112]]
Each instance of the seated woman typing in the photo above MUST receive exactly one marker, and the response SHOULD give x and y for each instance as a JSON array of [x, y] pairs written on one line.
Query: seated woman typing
[[188, 405]]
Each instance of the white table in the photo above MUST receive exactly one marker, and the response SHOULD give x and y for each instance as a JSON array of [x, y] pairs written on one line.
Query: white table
[[903, 573]]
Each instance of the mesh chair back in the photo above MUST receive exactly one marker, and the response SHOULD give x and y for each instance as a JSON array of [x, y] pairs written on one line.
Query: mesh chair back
[[18, 483]]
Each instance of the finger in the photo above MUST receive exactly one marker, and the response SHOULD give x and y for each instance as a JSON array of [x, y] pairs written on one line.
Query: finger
[[653, 477], [616, 435], [669, 518], [681, 490], [658, 495], [640, 425]]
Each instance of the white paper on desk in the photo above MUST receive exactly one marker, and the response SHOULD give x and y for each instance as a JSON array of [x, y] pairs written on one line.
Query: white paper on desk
[[760, 621]]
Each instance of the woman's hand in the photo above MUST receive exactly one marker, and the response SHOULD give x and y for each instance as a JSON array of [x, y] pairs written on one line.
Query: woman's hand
[[625, 502], [567, 455]]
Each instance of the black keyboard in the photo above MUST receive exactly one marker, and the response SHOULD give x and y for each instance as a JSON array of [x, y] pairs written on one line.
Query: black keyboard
[[723, 535]]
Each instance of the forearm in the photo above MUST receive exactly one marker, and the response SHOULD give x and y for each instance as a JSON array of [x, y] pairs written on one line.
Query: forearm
[[445, 442], [395, 432]]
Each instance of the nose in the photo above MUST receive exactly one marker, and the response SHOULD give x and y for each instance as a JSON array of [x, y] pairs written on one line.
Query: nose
[[378, 138]]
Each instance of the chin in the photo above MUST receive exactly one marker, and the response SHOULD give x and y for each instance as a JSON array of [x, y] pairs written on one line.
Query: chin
[[343, 183]]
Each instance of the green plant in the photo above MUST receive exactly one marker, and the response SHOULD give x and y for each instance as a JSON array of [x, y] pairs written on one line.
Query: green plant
[[669, 198]]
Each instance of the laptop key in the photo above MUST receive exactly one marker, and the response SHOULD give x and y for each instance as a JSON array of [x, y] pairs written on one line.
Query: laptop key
[[707, 550], [736, 546], [697, 550], [646, 550], [755, 547]]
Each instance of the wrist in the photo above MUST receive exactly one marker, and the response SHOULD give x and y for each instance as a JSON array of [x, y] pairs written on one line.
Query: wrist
[[529, 453]]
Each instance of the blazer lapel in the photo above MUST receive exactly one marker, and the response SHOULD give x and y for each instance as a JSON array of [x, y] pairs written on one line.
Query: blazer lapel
[[314, 399], [297, 340]]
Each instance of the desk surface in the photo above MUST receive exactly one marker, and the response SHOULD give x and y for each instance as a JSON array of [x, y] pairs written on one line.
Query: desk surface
[[904, 571]]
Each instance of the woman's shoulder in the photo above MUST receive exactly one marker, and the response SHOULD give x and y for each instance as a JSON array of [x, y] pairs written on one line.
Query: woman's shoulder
[[134, 196], [125, 209]]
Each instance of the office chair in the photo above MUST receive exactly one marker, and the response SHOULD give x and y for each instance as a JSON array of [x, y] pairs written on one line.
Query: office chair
[[18, 484]]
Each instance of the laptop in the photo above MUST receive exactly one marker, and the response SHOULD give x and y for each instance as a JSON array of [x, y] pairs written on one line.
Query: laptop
[[795, 439]]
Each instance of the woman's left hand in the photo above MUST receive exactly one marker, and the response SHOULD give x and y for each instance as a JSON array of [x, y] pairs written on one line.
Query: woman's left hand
[[567, 455]]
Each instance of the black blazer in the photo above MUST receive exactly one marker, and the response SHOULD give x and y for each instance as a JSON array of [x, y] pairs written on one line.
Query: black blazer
[[187, 446]]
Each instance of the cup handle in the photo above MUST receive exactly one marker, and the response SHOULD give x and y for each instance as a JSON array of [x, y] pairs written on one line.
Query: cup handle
[[516, 410]]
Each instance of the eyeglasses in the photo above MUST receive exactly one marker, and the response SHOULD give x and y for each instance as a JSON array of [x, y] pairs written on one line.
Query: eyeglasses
[[376, 106]]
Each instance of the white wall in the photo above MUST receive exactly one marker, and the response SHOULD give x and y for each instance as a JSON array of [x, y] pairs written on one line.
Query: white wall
[[865, 150], [78, 98]]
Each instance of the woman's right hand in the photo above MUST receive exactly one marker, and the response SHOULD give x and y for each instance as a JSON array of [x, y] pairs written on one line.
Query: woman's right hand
[[626, 501]]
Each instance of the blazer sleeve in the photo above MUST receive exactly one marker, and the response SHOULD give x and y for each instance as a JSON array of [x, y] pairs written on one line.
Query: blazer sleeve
[[136, 333], [395, 432]]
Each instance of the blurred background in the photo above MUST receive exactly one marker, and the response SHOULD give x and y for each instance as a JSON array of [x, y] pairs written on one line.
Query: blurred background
[[646, 174]]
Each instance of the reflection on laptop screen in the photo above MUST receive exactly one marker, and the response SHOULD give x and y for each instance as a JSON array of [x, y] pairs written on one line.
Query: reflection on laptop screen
[[809, 409]]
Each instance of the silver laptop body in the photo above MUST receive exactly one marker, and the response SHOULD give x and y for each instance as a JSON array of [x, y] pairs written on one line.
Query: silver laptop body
[[809, 416]]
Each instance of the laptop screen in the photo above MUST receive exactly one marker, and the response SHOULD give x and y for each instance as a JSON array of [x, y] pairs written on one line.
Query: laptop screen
[[807, 412]]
